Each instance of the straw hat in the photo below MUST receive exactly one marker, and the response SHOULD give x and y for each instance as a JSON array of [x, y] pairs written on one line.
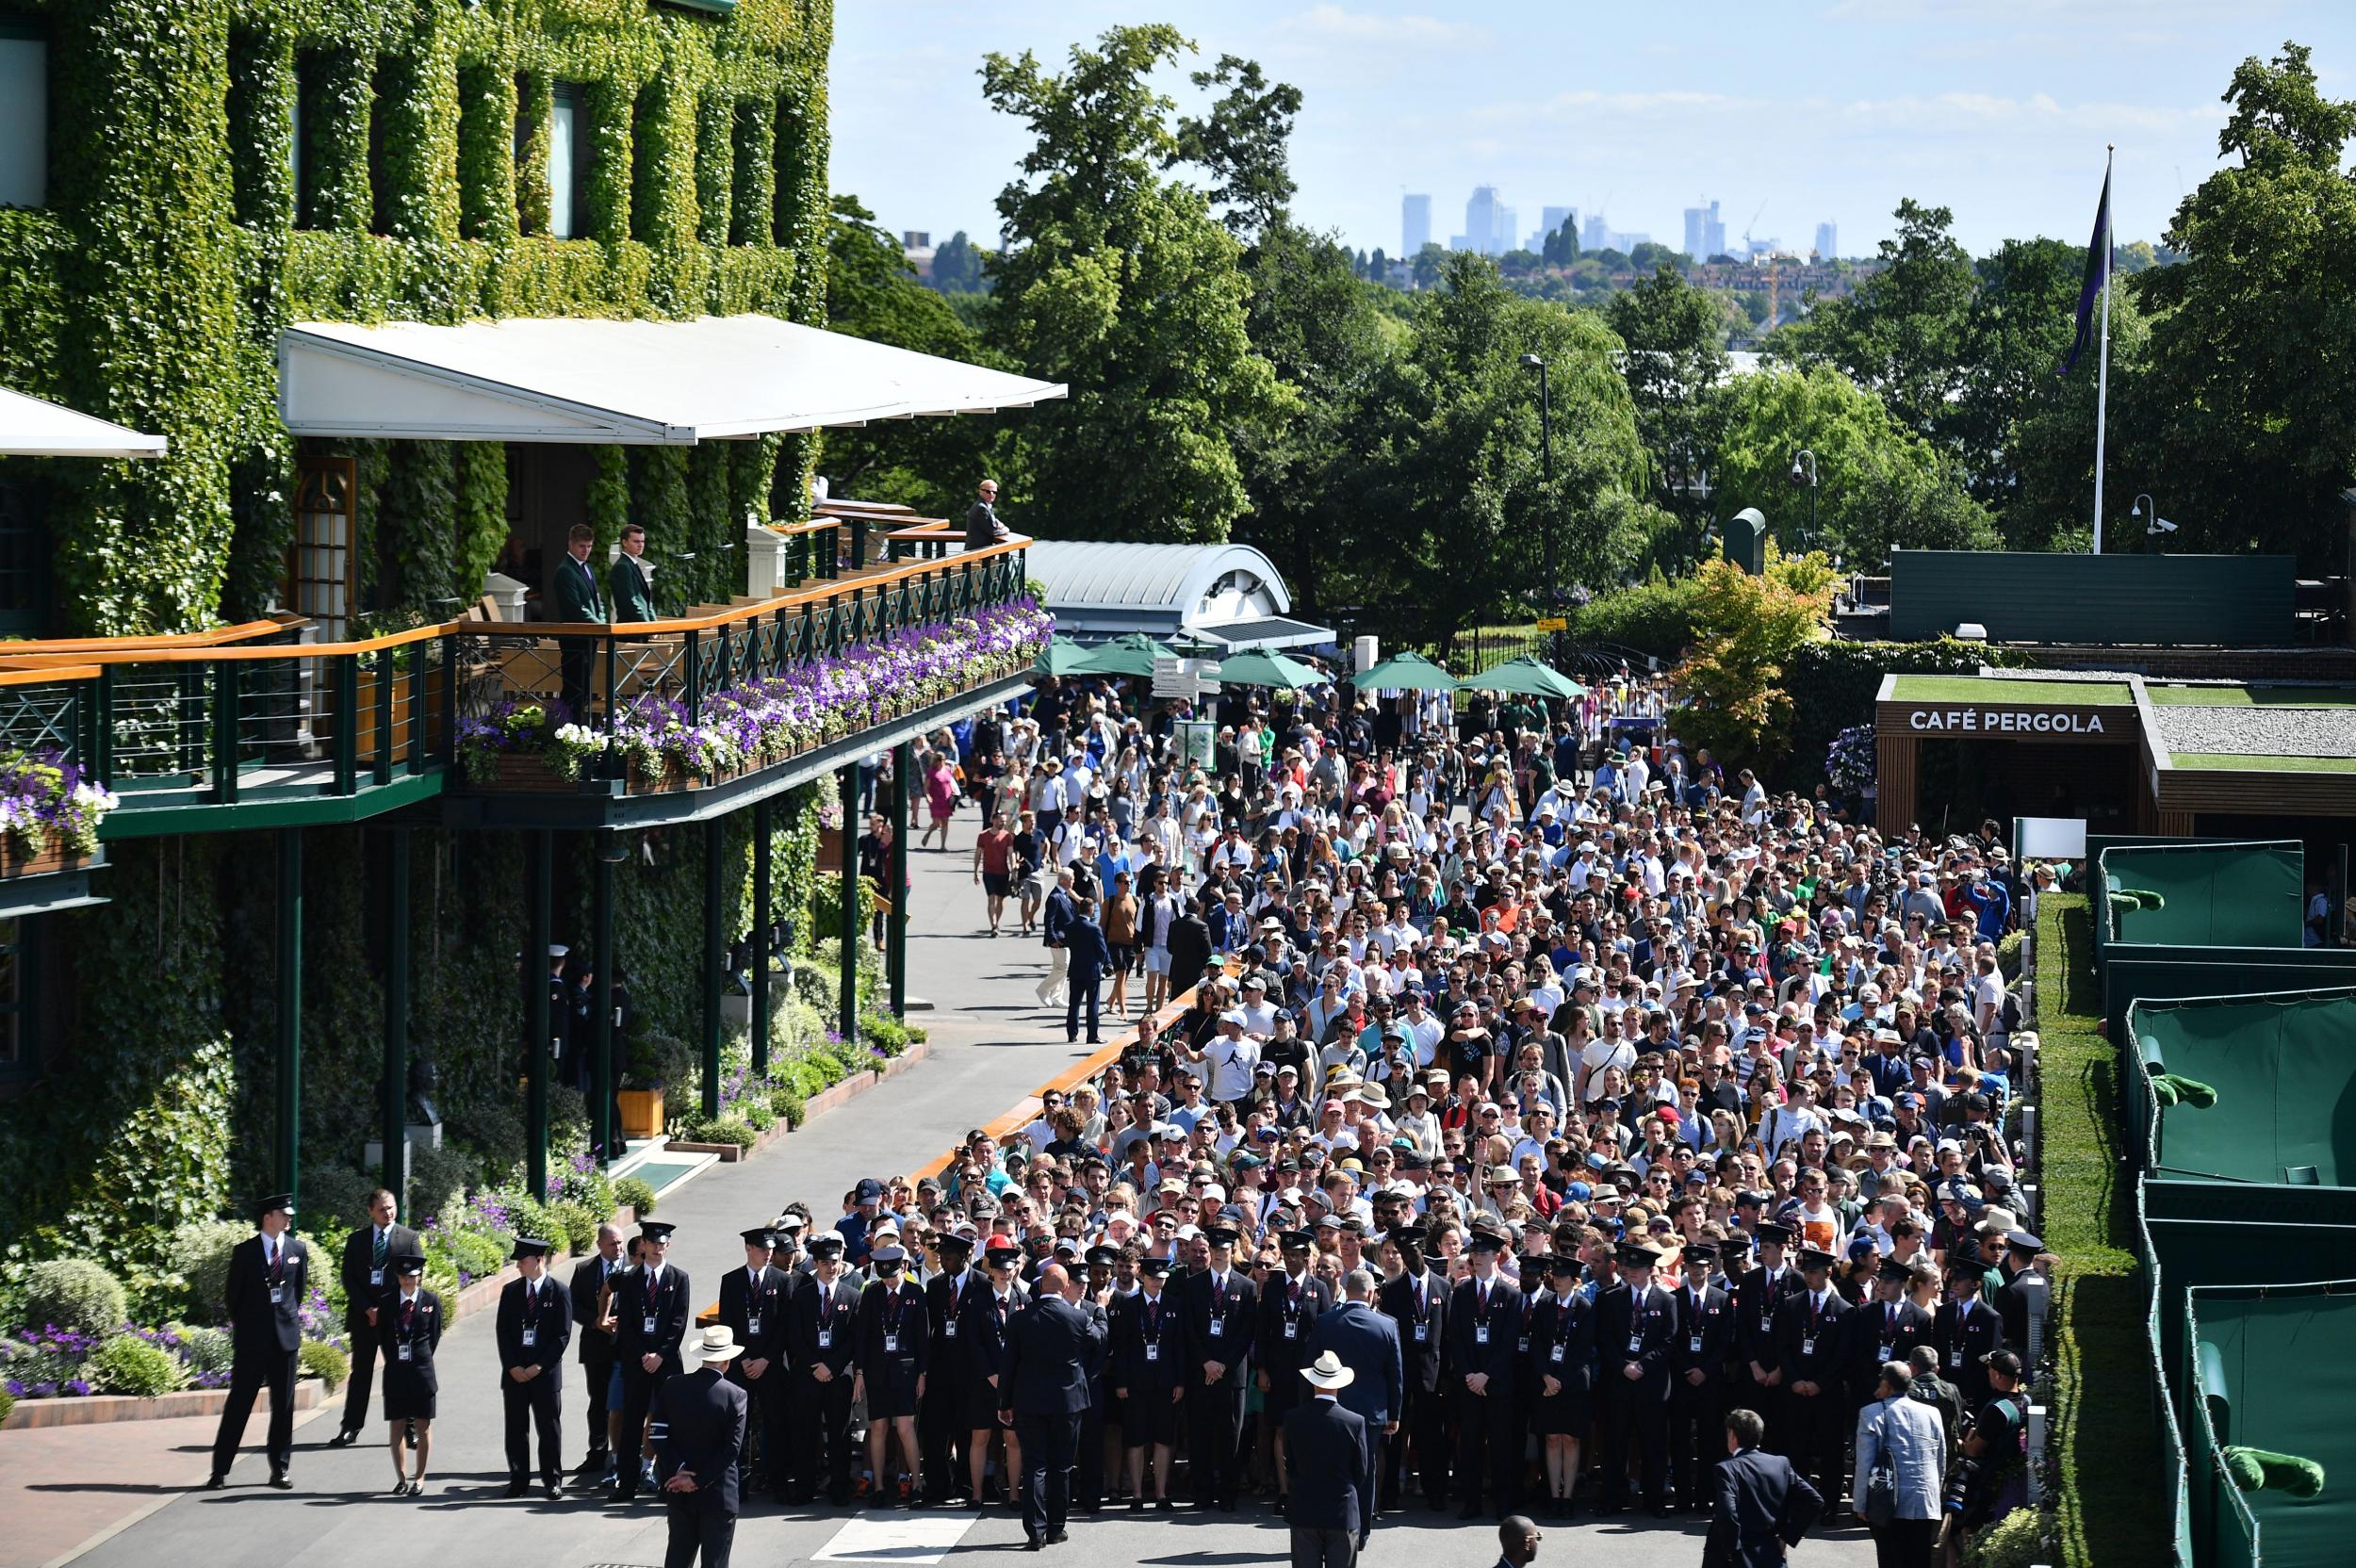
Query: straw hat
[[1327, 1372], [718, 1345]]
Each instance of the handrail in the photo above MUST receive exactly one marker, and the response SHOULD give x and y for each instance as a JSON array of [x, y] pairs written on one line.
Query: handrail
[[43, 675], [220, 635], [931, 527], [887, 574], [816, 525]]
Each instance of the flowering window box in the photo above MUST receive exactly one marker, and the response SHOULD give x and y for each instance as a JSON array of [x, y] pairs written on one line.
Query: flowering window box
[[15, 861]]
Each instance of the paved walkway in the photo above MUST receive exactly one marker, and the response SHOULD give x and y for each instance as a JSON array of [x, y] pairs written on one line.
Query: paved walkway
[[77, 1494]]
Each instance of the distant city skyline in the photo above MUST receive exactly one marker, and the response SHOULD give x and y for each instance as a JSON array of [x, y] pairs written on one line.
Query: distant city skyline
[[1997, 111]]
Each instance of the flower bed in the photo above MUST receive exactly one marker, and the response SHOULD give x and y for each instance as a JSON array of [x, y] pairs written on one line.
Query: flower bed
[[49, 813], [660, 745]]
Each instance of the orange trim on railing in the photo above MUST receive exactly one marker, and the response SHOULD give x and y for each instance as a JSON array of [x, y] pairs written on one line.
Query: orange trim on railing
[[41, 675], [219, 635]]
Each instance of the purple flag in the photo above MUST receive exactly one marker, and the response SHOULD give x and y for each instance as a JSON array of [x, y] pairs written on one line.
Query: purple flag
[[2097, 272]]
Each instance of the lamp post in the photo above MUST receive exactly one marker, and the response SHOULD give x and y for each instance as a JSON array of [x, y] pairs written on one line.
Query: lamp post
[[1804, 472], [1546, 442], [2147, 511]]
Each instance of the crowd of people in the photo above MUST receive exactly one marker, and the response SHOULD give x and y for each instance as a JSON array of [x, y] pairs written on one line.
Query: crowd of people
[[1602, 1113]]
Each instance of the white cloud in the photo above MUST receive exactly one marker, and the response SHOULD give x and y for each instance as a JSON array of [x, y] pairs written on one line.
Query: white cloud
[[1336, 24]]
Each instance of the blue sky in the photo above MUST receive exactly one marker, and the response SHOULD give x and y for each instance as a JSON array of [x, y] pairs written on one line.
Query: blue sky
[[1830, 110]]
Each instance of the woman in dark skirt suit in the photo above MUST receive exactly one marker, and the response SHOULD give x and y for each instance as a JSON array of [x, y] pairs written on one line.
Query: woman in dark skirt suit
[[892, 1330], [1560, 1378], [410, 1385]]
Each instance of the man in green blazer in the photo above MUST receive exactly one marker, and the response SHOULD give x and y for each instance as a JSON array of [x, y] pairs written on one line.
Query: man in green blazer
[[573, 598], [627, 583]]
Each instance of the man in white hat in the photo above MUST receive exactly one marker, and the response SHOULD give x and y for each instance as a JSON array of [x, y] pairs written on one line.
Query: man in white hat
[[1331, 1469], [699, 1431]]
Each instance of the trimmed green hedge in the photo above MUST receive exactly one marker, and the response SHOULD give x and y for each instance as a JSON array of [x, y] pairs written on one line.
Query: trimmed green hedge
[[2106, 1446]]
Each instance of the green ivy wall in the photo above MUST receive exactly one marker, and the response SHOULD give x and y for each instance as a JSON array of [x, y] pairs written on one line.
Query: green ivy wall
[[151, 291]]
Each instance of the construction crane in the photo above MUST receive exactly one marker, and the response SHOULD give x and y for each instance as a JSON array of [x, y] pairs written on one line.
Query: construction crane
[[1752, 224]]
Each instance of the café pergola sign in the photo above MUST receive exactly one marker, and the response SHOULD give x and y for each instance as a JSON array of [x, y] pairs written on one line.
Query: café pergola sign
[[1982, 719]]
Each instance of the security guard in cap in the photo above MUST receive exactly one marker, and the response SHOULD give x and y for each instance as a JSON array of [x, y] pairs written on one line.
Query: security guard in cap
[[1810, 1339], [1222, 1313], [270, 1275], [1636, 1333], [982, 1331], [1881, 1330], [893, 1357], [1484, 1329], [941, 1413], [652, 1308], [1289, 1308], [534, 1328], [1759, 1297], [1965, 1329], [1707, 1320], [825, 1351], [1098, 1298], [1151, 1358], [754, 1302]]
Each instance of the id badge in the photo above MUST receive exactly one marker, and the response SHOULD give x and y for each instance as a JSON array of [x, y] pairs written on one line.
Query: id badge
[[1556, 1355], [826, 1339], [1881, 1353], [403, 1349], [1694, 1345], [1524, 1347], [376, 1277], [1807, 1346], [1152, 1352], [1480, 1333], [752, 1325], [1292, 1327], [645, 1326], [1636, 1345], [891, 1345], [1218, 1326], [531, 1338], [1423, 1333], [1955, 1359], [1766, 1323], [277, 1293]]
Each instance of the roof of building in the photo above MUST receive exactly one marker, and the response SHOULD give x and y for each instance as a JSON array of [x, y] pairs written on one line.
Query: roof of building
[[1176, 577]]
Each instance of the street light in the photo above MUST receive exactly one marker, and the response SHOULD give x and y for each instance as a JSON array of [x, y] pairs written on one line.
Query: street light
[[1545, 436], [2149, 510], [1804, 472]]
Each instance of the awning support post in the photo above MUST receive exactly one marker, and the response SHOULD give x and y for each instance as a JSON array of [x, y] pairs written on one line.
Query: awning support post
[[601, 1003], [903, 764], [847, 971], [395, 1170], [715, 960], [760, 939], [539, 851], [289, 1085]]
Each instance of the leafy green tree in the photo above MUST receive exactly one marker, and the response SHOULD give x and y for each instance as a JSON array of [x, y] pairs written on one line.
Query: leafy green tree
[[1673, 360], [1119, 283], [2016, 329], [1745, 631], [957, 266], [1379, 266], [1241, 142], [872, 292], [1652, 253], [1901, 332], [2252, 412], [1428, 263], [1561, 246], [1879, 484]]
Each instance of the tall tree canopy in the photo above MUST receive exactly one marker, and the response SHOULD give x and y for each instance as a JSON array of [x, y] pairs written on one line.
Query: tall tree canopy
[[1674, 362], [1242, 143]]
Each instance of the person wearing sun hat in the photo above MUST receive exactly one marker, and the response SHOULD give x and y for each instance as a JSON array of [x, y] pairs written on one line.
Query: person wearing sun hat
[[698, 1435], [1333, 1469]]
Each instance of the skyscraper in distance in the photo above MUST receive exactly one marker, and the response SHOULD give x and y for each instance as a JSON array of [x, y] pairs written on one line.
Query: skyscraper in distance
[[1705, 233], [1552, 219], [1482, 232], [1414, 225], [1596, 233], [1827, 240], [1506, 235]]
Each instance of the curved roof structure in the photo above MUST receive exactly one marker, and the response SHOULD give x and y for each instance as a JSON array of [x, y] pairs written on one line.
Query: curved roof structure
[[1081, 573]]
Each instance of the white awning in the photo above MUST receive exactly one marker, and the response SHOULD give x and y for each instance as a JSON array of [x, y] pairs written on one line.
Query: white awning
[[664, 384], [31, 427]]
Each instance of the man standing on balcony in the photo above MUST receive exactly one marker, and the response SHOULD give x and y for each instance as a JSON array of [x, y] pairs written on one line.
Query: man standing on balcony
[[627, 584], [574, 599], [982, 526]]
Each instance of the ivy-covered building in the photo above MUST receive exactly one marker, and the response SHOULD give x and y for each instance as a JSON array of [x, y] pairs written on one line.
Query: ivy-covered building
[[288, 645]]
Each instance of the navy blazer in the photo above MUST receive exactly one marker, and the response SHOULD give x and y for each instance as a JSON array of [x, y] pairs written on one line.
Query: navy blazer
[[1236, 1313], [551, 1323], [1758, 1506], [1466, 1354], [1057, 918], [1422, 1328], [1050, 1347], [637, 1299], [257, 1324], [1133, 1372], [1283, 1353], [1091, 958], [1328, 1463], [1644, 1332], [1367, 1344], [771, 1302], [699, 1426]]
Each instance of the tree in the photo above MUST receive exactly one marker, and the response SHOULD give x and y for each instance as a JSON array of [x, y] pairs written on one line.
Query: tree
[[1561, 246], [1901, 332], [957, 266], [2253, 416], [2014, 330], [1879, 485], [872, 292], [1379, 266], [1119, 283], [1241, 142], [1428, 263], [1745, 631], [1652, 253], [1673, 361]]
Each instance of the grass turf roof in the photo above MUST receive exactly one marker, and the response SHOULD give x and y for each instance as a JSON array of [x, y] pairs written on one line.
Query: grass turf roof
[[1971, 688], [2236, 761], [2251, 696]]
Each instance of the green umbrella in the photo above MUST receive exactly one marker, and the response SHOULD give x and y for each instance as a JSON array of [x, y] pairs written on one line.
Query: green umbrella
[[1526, 676], [1406, 672], [1262, 668], [1131, 653], [1061, 656]]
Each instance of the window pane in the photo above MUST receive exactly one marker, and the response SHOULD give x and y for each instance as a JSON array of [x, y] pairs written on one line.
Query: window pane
[[23, 121], [564, 128]]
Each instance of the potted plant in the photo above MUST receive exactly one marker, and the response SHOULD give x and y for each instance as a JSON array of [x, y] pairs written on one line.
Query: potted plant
[[49, 813], [641, 1094]]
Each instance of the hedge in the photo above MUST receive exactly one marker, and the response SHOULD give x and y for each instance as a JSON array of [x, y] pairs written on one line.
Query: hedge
[[2106, 1446]]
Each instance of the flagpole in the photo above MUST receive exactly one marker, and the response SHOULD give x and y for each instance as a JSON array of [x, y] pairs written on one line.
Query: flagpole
[[2103, 376]]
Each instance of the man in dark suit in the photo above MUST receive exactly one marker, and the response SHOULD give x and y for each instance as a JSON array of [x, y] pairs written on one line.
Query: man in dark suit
[[825, 1348], [698, 1435], [1759, 1506], [367, 1279], [982, 1321], [1758, 1296], [1222, 1310], [1290, 1309], [1366, 1343], [1810, 1338], [754, 1303], [1042, 1390], [534, 1326], [1636, 1333], [941, 1414], [652, 1308], [597, 1346], [1189, 949], [1416, 1303], [1698, 1375], [1881, 1330], [1333, 1469], [632, 593], [1484, 1326], [1966, 1328], [574, 598], [982, 527], [1090, 958], [270, 1276]]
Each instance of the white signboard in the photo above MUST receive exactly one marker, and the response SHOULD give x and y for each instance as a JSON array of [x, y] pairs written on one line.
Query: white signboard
[[2049, 838]]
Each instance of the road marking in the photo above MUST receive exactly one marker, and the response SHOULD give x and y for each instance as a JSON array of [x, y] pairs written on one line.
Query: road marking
[[897, 1538]]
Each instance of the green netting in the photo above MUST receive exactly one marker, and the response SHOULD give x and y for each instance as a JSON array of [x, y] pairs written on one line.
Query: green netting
[[2283, 1068], [2277, 1365], [2208, 894]]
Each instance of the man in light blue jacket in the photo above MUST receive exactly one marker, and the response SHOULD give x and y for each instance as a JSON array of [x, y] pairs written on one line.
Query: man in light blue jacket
[[1904, 1435]]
